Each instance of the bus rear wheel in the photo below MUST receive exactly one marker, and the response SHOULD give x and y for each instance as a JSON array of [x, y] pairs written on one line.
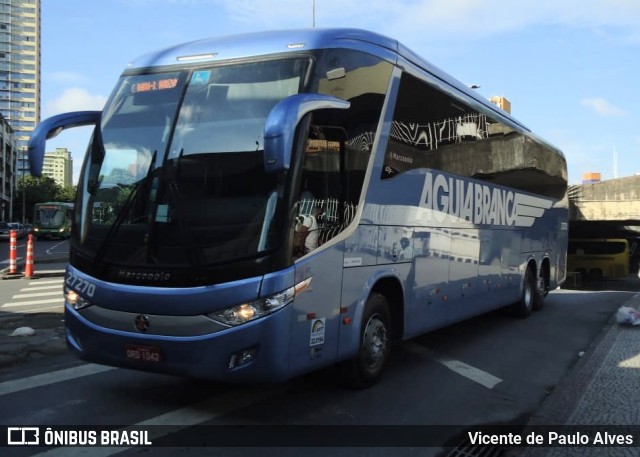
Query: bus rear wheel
[[365, 369], [542, 290], [531, 298]]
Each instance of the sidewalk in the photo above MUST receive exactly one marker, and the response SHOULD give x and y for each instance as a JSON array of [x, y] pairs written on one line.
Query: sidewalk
[[48, 339], [601, 391]]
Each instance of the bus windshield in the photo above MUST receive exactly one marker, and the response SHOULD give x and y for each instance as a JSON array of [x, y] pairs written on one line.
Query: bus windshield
[[174, 175], [50, 216], [598, 258]]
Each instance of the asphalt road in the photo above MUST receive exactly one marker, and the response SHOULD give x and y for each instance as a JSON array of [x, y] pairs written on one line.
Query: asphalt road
[[43, 251], [489, 370]]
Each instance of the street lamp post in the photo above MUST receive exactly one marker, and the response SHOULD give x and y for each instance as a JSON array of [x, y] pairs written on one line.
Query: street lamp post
[[23, 155]]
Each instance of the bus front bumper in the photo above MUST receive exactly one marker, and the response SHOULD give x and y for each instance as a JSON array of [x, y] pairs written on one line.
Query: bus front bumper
[[253, 352]]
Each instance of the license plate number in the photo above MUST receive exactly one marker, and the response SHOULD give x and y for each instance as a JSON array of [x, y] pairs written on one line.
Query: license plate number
[[143, 353]]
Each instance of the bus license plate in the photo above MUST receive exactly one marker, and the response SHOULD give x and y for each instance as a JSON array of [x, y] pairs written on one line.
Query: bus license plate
[[143, 353]]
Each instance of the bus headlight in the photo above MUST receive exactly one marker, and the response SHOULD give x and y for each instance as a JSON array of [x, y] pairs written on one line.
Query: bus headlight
[[246, 312], [75, 300]]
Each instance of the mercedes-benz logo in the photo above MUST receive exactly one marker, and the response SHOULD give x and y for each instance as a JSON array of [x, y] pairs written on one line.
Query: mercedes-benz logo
[[141, 322]]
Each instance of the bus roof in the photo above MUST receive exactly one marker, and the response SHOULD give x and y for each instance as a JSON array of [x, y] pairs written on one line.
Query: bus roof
[[273, 42], [261, 43]]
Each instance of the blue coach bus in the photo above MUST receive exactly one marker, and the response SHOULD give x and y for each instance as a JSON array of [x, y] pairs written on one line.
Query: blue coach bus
[[426, 205]]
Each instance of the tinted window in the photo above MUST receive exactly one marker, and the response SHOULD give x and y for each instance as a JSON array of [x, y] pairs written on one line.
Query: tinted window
[[432, 129], [581, 247]]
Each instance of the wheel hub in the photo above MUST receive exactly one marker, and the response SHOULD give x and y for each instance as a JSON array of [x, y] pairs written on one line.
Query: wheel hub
[[375, 342]]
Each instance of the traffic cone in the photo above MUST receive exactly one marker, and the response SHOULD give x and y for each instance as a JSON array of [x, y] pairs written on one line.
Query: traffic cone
[[28, 269], [13, 241]]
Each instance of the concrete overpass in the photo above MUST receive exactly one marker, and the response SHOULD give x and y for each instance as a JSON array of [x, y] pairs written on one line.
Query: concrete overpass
[[614, 200], [605, 209]]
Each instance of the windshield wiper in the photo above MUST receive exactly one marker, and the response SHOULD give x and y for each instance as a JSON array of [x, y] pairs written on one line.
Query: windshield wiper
[[174, 173], [95, 162], [102, 250]]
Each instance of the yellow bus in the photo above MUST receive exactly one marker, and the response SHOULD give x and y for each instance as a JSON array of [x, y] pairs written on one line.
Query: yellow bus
[[598, 258]]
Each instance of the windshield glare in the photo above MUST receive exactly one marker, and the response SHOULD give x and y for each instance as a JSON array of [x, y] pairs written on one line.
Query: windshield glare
[[224, 111], [49, 217], [175, 174]]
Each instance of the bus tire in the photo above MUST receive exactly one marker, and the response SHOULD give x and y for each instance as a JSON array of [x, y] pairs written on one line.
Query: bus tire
[[365, 369], [531, 297], [583, 274], [542, 289], [595, 274]]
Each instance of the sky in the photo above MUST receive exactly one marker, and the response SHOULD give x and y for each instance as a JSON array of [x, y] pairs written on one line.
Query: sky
[[570, 68]]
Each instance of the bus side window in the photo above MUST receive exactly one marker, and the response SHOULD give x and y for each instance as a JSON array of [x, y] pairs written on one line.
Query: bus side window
[[322, 188], [433, 130]]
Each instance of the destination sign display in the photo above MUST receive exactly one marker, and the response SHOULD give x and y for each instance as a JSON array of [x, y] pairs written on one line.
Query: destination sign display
[[155, 84]]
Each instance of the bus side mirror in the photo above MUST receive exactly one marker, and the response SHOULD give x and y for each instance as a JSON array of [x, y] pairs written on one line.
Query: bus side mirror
[[51, 127], [281, 123]]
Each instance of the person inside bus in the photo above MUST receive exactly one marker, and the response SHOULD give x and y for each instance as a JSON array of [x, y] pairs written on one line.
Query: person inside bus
[[307, 231], [307, 202], [406, 250]]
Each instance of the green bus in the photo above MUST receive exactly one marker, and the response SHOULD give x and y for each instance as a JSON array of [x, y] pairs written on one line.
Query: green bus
[[52, 220]]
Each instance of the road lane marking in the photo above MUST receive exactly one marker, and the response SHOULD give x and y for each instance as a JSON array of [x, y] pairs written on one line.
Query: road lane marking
[[50, 250], [474, 374], [35, 294], [10, 314], [52, 281], [178, 420], [52, 287], [8, 262], [18, 385], [33, 302]]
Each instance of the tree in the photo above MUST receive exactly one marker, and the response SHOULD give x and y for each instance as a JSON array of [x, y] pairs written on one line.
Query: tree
[[32, 190], [66, 194]]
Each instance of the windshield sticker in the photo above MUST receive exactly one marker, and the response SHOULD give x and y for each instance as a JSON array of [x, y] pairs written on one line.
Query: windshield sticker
[[317, 332], [162, 213], [201, 77]]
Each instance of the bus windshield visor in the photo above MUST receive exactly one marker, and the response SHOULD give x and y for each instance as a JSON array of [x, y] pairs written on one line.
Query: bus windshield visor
[[175, 173]]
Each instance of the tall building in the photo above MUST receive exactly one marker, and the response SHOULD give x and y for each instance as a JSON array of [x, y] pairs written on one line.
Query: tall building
[[502, 102], [8, 162], [20, 70], [589, 178], [59, 166]]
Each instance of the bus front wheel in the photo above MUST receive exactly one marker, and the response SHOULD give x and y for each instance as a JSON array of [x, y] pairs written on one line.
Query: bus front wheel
[[365, 369]]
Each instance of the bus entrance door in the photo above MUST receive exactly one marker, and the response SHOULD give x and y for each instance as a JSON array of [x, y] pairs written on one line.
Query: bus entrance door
[[316, 312]]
